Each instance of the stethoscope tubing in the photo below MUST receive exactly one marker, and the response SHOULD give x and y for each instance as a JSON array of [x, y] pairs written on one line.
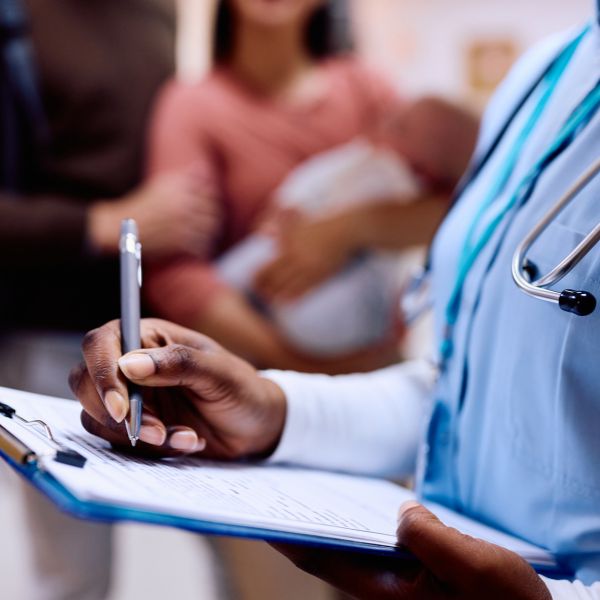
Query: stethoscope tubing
[[537, 289]]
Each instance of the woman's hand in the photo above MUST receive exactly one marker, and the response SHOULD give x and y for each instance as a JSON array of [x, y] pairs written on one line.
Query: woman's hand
[[310, 252], [197, 396], [449, 566], [177, 213]]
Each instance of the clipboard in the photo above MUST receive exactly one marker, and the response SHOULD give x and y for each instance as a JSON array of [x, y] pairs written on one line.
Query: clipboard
[[65, 501], [112, 514], [19, 457], [26, 462]]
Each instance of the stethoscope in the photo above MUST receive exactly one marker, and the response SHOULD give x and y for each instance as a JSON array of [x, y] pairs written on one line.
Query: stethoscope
[[578, 302], [416, 299]]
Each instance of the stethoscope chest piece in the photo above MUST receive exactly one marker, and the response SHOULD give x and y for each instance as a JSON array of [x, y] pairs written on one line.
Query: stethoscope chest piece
[[578, 302]]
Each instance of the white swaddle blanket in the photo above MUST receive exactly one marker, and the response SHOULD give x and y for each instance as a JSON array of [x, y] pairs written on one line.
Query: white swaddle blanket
[[355, 308]]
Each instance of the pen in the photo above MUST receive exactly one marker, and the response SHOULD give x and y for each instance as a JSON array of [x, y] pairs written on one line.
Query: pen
[[131, 282]]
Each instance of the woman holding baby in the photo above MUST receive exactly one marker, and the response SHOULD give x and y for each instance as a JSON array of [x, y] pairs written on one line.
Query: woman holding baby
[[283, 91]]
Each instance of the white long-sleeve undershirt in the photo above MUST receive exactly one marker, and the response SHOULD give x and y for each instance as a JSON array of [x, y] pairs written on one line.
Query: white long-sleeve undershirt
[[572, 590], [368, 424], [365, 423]]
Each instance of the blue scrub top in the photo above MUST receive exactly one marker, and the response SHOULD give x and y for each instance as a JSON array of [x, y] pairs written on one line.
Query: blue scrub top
[[514, 438]]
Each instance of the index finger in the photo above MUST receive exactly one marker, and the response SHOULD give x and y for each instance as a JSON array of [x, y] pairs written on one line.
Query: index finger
[[101, 351]]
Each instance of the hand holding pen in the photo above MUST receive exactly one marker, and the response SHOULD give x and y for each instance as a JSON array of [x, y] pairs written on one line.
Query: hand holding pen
[[198, 397], [130, 251]]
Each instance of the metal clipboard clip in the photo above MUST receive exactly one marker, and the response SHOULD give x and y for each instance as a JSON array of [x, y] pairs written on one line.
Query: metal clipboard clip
[[24, 455]]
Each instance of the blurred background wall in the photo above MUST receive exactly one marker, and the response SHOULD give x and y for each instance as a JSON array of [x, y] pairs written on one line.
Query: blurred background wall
[[446, 46], [459, 48]]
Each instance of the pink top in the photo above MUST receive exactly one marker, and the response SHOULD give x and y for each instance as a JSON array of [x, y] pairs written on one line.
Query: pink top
[[248, 143]]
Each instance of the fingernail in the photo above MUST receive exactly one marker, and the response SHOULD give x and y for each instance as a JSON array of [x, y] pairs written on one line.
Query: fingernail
[[151, 434], [406, 506], [186, 441], [201, 445], [137, 366], [116, 405]]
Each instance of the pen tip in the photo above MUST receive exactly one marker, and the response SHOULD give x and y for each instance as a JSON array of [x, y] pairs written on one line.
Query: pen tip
[[132, 438], [129, 226]]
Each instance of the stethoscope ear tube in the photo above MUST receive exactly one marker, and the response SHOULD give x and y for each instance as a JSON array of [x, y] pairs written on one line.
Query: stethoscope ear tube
[[578, 302]]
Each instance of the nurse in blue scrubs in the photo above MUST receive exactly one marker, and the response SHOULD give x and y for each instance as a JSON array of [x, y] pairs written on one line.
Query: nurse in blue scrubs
[[512, 408]]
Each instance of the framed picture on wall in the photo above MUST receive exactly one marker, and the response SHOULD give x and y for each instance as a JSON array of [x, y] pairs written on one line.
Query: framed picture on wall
[[488, 60]]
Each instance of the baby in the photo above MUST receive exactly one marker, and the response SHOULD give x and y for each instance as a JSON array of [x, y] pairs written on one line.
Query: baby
[[423, 148]]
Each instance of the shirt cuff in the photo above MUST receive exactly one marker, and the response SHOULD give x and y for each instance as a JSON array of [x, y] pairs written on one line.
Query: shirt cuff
[[302, 408], [572, 590]]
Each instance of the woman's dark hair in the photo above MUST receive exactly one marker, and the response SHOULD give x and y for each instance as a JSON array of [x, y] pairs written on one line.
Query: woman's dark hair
[[324, 35]]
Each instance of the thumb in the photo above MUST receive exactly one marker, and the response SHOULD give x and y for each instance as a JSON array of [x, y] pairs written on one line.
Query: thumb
[[446, 552], [175, 365]]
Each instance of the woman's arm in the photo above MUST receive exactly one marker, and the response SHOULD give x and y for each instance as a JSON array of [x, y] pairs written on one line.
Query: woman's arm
[[390, 225], [174, 212], [313, 250], [189, 292], [229, 319], [40, 228]]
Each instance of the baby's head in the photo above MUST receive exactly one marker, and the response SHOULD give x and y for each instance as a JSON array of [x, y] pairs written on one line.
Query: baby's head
[[435, 137]]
